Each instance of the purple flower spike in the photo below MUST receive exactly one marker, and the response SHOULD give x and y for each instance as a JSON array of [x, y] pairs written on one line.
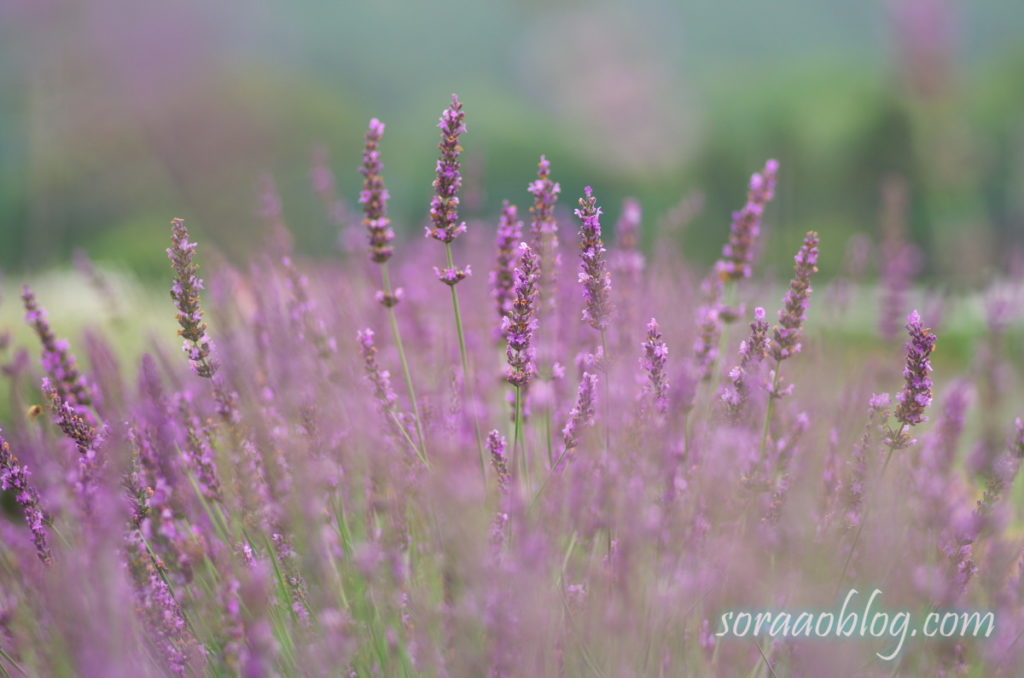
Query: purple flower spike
[[738, 253], [582, 414], [753, 350], [629, 260], [786, 336], [496, 445], [521, 322], [594, 275], [544, 227], [917, 391], [653, 362], [185, 293], [444, 208], [57, 360], [81, 430], [15, 478], [374, 196], [381, 379], [510, 231]]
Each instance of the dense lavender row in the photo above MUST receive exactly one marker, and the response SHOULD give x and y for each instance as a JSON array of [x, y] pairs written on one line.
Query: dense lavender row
[[556, 484]]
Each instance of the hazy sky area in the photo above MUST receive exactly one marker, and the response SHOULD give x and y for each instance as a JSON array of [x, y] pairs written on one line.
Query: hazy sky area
[[116, 114]]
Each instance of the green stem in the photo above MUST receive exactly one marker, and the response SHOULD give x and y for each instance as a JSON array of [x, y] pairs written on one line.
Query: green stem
[[770, 410], [466, 381], [518, 432], [392, 317]]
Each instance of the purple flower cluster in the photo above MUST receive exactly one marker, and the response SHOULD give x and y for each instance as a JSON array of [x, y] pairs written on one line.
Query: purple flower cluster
[[786, 335], [738, 254], [374, 196], [297, 516], [510, 232], [521, 322], [57, 360], [916, 395], [185, 293], [444, 208], [15, 478], [544, 226], [594, 274], [653, 361]]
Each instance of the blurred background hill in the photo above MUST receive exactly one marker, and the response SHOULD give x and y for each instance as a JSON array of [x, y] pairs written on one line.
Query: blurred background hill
[[116, 116]]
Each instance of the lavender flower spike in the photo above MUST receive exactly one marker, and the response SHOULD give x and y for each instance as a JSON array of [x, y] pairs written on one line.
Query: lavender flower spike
[[594, 275], [917, 391], [544, 227], [15, 477], [582, 414], [57, 360], [496, 444], [444, 208], [374, 197], [185, 293], [786, 336], [510, 231], [521, 322], [738, 253], [653, 362]]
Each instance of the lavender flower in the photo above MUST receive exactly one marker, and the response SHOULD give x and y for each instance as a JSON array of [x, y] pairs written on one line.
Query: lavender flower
[[15, 477], [544, 227], [753, 350], [582, 414], [198, 451], [185, 292], [374, 197], [520, 324], [738, 253], [444, 208], [709, 328], [653, 362], [786, 335], [381, 380], [81, 430], [496, 444], [57, 360], [917, 391], [510, 231], [594, 275]]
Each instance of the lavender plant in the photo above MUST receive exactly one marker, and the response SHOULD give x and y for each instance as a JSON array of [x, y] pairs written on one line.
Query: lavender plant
[[266, 507]]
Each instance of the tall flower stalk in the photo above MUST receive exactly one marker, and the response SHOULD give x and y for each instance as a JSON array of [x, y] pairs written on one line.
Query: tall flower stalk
[[15, 477], [596, 280], [374, 198], [197, 344], [787, 334], [737, 263], [519, 326], [510, 231], [544, 229], [445, 227]]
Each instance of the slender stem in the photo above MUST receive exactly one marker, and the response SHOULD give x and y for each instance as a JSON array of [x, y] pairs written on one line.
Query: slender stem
[[518, 432], [863, 517], [605, 390], [466, 380], [392, 317], [770, 410]]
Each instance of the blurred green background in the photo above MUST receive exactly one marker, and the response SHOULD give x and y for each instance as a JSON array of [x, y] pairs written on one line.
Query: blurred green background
[[116, 116]]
